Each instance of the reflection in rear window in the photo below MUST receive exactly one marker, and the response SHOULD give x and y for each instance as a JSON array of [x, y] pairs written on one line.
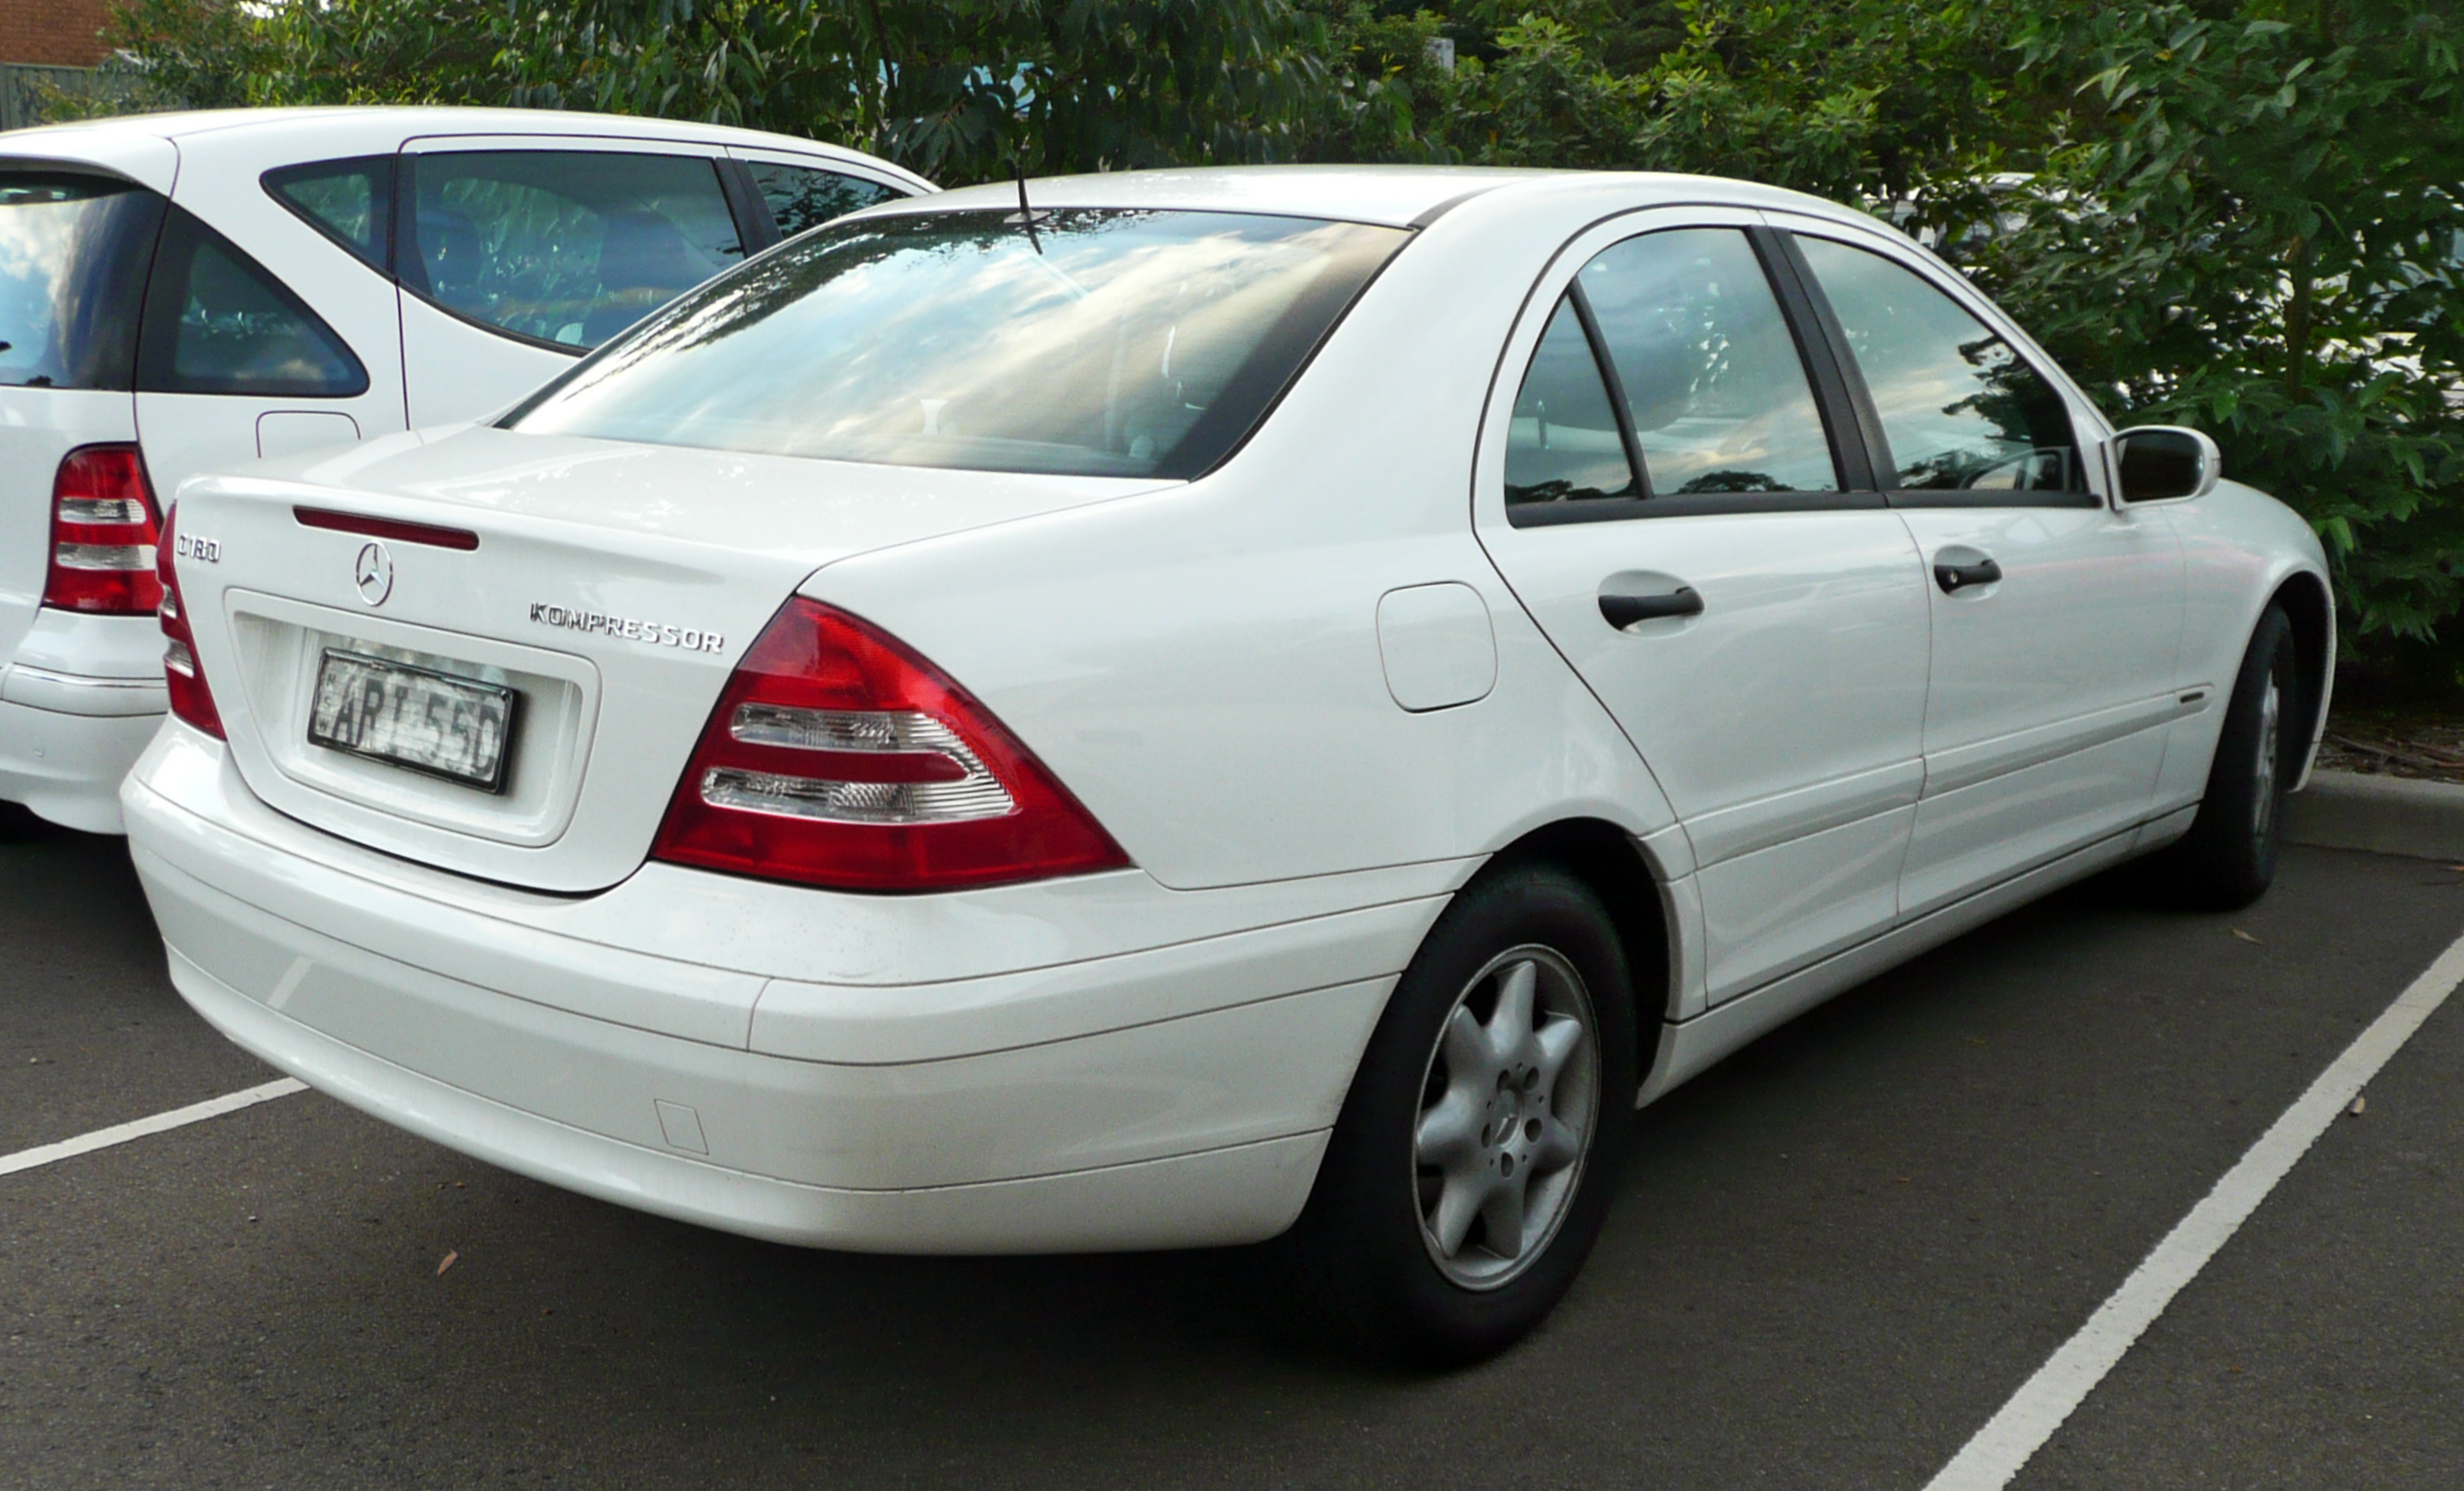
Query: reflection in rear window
[[1113, 344], [73, 253]]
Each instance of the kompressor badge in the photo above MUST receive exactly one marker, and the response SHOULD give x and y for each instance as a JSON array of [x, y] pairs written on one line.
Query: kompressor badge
[[631, 628]]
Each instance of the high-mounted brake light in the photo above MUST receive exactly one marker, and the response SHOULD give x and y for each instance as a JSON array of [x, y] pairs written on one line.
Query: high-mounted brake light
[[103, 534], [181, 673], [838, 757]]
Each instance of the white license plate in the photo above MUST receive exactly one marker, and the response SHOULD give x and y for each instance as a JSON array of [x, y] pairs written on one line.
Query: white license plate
[[415, 718]]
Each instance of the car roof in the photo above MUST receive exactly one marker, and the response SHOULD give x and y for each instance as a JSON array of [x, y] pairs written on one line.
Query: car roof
[[416, 120], [1396, 195]]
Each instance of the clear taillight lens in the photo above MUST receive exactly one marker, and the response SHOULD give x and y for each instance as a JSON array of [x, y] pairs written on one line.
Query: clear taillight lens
[[103, 534], [181, 673], [838, 757]]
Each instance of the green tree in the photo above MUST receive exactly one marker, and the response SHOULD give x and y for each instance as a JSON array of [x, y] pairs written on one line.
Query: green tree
[[2259, 235], [961, 90]]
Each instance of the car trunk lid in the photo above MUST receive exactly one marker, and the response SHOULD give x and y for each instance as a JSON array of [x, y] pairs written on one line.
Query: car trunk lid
[[606, 589]]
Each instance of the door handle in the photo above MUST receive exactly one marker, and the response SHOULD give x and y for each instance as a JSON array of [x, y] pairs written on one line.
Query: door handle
[[1621, 611], [1955, 578]]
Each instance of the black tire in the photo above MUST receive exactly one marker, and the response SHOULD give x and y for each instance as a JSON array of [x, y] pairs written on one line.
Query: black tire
[[17, 822], [1365, 1251], [2228, 859]]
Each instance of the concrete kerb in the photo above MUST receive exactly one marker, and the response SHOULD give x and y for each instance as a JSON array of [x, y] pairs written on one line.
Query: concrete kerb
[[2385, 815]]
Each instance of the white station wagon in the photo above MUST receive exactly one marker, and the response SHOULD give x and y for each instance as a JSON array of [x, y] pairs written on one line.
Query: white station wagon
[[179, 293], [1230, 703]]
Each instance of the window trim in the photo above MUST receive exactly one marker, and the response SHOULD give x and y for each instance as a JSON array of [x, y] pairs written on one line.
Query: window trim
[[1847, 453], [158, 321], [1638, 470], [754, 222], [410, 274], [1840, 395], [1867, 416]]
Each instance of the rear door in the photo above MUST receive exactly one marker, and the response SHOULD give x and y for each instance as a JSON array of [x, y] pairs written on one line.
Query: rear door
[[1666, 495], [518, 254], [2055, 616]]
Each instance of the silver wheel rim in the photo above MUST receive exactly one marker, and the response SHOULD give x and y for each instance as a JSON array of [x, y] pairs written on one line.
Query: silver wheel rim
[[2271, 710], [1509, 1103]]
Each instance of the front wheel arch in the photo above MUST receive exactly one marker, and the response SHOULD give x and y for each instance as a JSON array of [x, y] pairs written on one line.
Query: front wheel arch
[[2306, 603]]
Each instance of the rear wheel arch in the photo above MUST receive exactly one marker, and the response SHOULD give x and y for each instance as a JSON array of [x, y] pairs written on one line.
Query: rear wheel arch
[[1605, 858]]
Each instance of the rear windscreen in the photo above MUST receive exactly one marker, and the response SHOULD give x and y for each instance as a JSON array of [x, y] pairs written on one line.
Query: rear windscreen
[[73, 257], [1103, 343]]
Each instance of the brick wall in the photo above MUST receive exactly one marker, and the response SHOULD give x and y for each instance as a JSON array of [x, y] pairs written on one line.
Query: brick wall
[[62, 33]]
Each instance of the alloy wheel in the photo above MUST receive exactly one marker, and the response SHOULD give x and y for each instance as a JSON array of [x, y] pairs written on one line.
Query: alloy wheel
[[1508, 1107], [2271, 709]]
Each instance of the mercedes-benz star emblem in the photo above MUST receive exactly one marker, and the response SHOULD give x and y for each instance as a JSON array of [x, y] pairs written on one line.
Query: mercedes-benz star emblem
[[375, 573]]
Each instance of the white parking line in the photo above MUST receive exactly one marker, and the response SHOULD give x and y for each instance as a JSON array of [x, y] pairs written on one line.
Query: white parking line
[[139, 1129], [1991, 1458]]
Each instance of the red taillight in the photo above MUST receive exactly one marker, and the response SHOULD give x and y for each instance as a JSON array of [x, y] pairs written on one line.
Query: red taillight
[[103, 534], [185, 677], [838, 757]]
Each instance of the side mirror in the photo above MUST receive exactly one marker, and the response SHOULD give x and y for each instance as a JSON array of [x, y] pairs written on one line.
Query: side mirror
[[2166, 463]]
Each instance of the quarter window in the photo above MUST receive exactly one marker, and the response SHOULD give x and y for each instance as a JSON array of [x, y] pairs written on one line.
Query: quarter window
[[350, 202], [1961, 409], [567, 248], [217, 322], [1564, 445], [801, 197], [1711, 373]]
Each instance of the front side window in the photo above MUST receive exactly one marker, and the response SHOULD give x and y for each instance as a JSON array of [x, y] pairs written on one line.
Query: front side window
[[1960, 408], [1110, 343], [73, 256], [564, 247], [1711, 373], [217, 322], [350, 202], [800, 197]]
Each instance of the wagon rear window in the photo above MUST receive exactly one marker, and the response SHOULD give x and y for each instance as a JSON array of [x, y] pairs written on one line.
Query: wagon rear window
[[1109, 344], [73, 256]]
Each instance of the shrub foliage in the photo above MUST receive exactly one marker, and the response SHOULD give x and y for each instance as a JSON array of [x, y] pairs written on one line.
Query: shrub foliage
[[2242, 214]]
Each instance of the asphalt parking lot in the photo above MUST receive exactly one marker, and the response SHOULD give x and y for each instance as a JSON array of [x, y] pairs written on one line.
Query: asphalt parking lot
[[1833, 1260]]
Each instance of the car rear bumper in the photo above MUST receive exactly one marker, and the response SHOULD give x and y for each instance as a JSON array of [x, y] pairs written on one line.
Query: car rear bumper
[[79, 697], [1179, 1130], [66, 742]]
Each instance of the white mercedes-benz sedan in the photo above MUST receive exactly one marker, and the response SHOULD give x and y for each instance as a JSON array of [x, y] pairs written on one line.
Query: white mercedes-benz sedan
[[179, 293], [1224, 704]]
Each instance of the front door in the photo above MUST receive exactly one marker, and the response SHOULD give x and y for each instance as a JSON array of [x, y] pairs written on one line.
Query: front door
[[2055, 616], [1670, 509]]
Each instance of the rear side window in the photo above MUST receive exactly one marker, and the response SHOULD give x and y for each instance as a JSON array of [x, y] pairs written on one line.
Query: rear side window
[[801, 196], [350, 202], [1710, 370], [1961, 409], [217, 322], [72, 255], [563, 246]]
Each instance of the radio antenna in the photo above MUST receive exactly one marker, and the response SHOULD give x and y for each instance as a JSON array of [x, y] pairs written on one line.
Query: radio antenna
[[1025, 214]]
